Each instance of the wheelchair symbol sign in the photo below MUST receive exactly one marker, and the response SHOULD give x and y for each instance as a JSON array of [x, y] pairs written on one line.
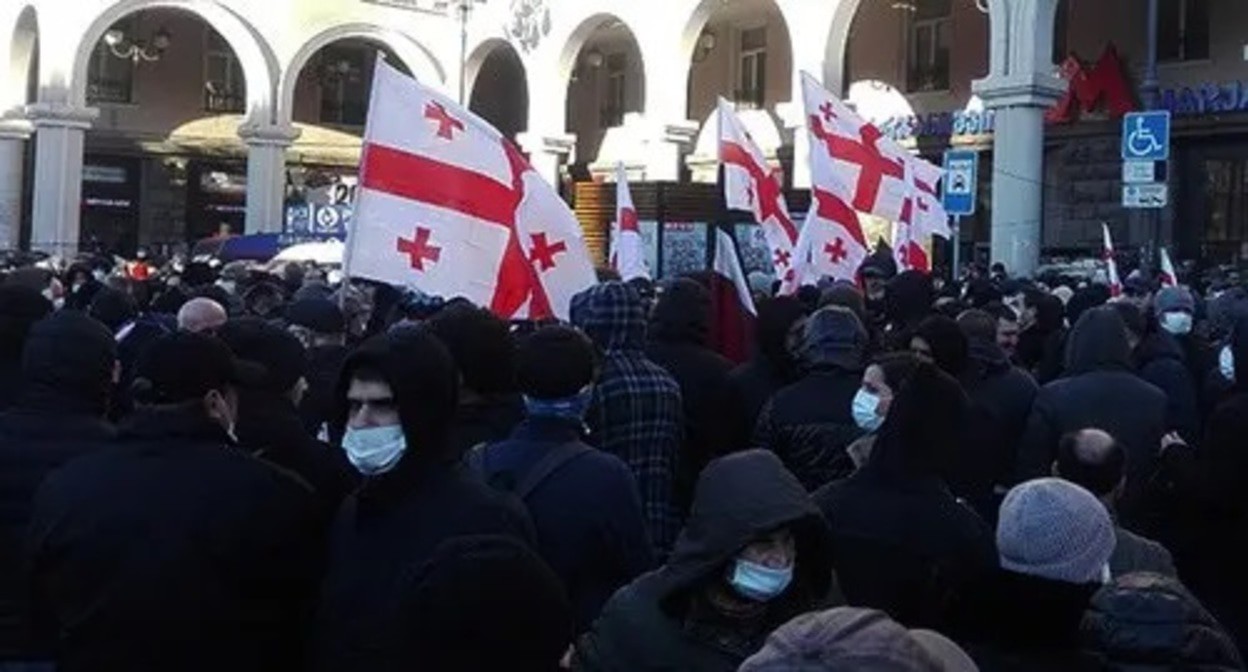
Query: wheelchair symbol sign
[[1146, 136]]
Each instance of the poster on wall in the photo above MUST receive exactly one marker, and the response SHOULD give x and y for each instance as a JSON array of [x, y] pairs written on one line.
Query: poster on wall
[[650, 242], [684, 248]]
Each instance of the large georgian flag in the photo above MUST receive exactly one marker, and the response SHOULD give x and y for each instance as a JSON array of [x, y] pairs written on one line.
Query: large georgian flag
[[448, 205], [753, 186], [628, 251]]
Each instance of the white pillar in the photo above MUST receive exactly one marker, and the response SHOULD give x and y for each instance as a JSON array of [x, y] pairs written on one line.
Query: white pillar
[[266, 175], [13, 136], [546, 153], [665, 151], [793, 115], [60, 131]]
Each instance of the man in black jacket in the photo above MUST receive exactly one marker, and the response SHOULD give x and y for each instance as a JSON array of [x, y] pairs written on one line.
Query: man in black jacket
[[174, 549], [68, 364], [318, 323]]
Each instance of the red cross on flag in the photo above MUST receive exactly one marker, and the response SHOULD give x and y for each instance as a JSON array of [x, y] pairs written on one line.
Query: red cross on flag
[[751, 185], [850, 158], [1111, 265], [628, 252], [831, 243], [448, 205], [923, 208], [1168, 276]]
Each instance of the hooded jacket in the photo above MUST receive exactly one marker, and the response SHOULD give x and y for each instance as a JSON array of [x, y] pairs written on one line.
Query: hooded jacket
[[678, 331], [68, 366], [636, 413], [20, 308], [903, 543], [772, 366], [1102, 391], [907, 300], [654, 623], [396, 520], [1160, 360], [810, 423]]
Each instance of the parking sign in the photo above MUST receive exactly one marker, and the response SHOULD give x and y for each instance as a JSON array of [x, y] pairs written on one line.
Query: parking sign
[[1146, 136], [961, 181]]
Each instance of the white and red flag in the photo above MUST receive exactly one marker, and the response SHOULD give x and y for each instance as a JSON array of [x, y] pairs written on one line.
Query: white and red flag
[[448, 205], [832, 243], [628, 252], [733, 310], [1168, 276], [1111, 265], [752, 185]]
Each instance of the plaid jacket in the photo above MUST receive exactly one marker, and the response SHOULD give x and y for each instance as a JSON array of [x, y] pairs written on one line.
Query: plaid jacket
[[636, 410]]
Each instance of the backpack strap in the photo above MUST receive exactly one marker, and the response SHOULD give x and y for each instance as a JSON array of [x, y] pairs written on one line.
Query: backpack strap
[[552, 461]]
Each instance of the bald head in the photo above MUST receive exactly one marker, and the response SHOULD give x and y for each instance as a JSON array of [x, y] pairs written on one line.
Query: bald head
[[1093, 459], [201, 315]]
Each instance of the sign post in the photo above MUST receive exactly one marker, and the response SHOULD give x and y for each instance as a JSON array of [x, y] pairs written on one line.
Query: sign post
[[1145, 143], [961, 184]]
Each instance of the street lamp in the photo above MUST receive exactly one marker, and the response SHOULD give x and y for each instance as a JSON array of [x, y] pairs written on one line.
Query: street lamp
[[137, 51], [464, 9]]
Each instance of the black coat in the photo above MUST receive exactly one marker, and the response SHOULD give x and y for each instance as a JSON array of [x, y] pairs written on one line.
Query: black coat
[[1160, 360], [324, 366], [172, 550], [810, 423], [485, 421], [660, 621], [1102, 392]]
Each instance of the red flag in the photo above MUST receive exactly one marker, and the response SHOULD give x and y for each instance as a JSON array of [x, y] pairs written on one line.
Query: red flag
[[448, 205], [732, 328]]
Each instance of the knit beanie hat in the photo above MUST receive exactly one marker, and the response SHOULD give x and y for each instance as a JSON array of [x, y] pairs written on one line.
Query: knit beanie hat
[[1054, 529], [1170, 299]]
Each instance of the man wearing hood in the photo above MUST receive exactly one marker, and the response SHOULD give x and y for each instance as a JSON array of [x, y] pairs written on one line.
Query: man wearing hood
[[396, 402], [318, 323], [755, 553], [69, 362], [679, 326], [1102, 391], [773, 366], [173, 549], [810, 423], [1158, 359], [20, 308], [907, 300], [636, 411]]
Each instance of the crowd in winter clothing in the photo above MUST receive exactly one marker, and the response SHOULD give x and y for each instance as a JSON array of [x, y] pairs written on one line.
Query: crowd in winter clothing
[[207, 468]]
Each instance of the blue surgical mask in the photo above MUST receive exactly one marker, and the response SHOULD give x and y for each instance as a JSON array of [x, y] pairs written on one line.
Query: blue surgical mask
[[567, 408], [1177, 322], [759, 582], [1226, 363], [375, 450], [865, 409]]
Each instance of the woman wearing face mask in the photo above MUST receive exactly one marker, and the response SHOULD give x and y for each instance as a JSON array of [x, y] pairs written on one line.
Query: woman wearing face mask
[[755, 553], [871, 403], [396, 398]]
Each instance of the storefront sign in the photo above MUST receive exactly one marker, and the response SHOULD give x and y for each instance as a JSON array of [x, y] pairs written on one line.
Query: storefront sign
[[1208, 98], [938, 125]]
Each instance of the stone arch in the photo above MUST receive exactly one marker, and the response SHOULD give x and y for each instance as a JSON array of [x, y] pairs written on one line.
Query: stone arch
[[419, 61], [704, 14], [254, 55], [580, 35], [484, 61], [582, 95], [23, 59]]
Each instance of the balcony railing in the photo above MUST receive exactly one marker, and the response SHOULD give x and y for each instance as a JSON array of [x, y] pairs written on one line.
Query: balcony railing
[[931, 78], [749, 99], [227, 102], [110, 91]]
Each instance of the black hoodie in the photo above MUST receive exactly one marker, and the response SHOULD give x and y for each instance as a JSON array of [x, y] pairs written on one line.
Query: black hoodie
[[772, 366], [1103, 392], [396, 520], [20, 308], [655, 622]]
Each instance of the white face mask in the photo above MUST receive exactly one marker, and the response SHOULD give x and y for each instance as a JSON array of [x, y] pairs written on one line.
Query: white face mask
[[865, 411], [375, 450], [1226, 363], [1177, 323]]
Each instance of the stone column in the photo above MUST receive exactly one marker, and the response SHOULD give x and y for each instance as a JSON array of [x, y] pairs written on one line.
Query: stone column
[[14, 132], [666, 149], [1018, 165], [266, 175], [60, 131], [793, 115], [546, 153]]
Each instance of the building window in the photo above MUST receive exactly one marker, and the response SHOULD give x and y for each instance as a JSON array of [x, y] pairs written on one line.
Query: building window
[[111, 79], [752, 69], [1183, 30], [344, 85], [613, 111], [1061, 32], [927, 55], [224, 85], [1226, 189]]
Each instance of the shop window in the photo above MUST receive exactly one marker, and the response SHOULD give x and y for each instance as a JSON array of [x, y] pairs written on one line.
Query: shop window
[[224, 85], [613, 111], [1183, 30], [752, 69], [1226, 192], [927, 54], [111, 79], [344, 82]]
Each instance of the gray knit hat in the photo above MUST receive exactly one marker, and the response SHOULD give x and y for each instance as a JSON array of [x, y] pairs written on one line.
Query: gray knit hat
[[1055, 530], [1174, 298]]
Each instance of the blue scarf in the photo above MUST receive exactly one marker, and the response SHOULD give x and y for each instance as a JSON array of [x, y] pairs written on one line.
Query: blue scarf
[[568, 408]]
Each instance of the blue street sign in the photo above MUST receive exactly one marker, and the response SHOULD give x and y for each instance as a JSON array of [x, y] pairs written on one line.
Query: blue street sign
[[961, 181], [1146, 136]]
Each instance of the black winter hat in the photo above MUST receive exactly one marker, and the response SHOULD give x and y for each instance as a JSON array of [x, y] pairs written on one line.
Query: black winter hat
[[554, 363], [183, 366], [20, 307], [70, 353], [113, 308], [281, 354], [316, 314]]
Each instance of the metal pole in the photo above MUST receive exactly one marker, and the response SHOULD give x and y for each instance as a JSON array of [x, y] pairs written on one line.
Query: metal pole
[[465, 6], [1150, 87], [957, 245]]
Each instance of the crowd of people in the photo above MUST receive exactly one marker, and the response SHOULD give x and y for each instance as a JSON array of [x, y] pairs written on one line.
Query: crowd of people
[[233, 468]]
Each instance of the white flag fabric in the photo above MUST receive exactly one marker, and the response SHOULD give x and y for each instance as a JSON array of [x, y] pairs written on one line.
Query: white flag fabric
[[753, 186], [449, 206], [727, 265], [925, 211], [1111, 265], [1168, 277], [831, 243], [628, 254]]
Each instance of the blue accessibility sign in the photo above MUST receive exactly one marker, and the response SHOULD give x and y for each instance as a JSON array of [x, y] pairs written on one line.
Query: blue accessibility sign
[[1146, 136], [961, 181]]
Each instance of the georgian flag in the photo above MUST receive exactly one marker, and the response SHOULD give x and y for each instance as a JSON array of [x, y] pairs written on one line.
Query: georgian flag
[[733, 311], [1111, 265], [449, 206], [628, 254], [753, 186], [1168, 276], [832, 243]]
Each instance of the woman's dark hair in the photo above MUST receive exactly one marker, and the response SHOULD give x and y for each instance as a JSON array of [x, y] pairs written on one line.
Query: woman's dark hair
[[481, 344], [897, 368], [554, 362]]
